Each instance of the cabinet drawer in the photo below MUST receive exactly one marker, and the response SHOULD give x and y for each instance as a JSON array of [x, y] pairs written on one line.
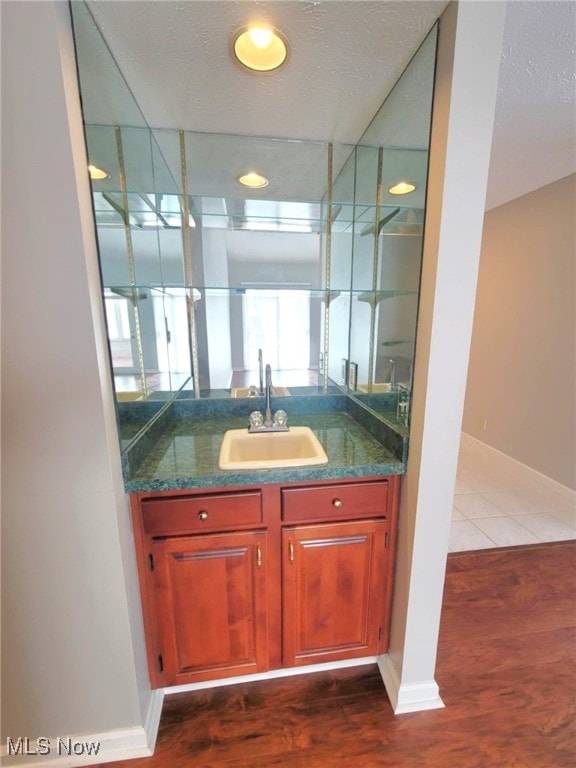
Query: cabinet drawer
[[195, 514], [334, 502]]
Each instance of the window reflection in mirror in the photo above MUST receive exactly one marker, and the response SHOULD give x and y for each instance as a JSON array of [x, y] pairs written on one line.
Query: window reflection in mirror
[[199, 274]]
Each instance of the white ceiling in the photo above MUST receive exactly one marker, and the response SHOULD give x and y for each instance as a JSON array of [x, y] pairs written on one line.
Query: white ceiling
[[534, 141], [345, 57]]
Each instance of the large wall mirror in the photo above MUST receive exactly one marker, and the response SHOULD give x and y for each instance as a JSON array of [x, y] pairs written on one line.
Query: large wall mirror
[[316, 273]]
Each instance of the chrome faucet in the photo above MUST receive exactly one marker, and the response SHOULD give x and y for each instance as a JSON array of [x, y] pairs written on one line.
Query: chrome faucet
[[267, 422], [392, 361], [268, 407], [260, 371]]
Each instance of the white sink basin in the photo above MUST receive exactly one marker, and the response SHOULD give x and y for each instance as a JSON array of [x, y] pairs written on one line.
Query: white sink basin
[[243, 392], [298, 447]]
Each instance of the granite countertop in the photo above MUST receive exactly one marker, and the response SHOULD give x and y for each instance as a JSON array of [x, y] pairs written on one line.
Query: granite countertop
[[184, 454]]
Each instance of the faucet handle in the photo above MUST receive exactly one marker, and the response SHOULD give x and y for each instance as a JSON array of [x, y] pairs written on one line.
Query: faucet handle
[[256, 419], [280, 419]]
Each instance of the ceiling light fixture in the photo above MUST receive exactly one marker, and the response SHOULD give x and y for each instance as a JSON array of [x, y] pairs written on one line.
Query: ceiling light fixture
[[402, 188], [253, 180], [97, 174], [259, 48]]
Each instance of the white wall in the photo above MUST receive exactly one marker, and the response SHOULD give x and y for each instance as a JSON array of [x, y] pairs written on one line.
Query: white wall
[[362, 261], [217, 307], [73, 661], [157, 256], [339, 319], [522, 374], [401, 258], [469, 52]]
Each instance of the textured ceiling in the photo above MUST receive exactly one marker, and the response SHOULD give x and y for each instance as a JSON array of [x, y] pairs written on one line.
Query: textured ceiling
[[345, 57], [534, 141]]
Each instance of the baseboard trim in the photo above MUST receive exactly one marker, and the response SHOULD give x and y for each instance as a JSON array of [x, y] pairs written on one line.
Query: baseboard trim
[[538, 476], [152, 721], [79, 750], [140, 741], [273, 674], [87, 748], [408, 697]]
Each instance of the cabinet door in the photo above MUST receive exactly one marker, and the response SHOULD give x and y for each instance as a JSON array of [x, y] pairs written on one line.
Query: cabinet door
[[333, 591], [211, 598]]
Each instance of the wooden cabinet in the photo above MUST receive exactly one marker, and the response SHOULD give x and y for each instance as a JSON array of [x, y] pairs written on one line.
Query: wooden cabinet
[[211, 599], [333, 591], [174, 515], [242, 580], [336, 501]]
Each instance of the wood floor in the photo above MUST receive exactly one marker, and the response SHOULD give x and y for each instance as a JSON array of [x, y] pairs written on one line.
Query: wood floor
[[506, 671]]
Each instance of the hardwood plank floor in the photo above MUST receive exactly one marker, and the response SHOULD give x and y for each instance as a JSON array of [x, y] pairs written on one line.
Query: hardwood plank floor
[[506, 671]]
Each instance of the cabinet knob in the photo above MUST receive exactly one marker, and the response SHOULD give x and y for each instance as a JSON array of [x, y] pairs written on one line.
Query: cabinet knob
[[336, 503], [202, 515]]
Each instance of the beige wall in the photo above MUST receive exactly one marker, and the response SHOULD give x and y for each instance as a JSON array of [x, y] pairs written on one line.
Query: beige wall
[[70, 650], [522, 364]]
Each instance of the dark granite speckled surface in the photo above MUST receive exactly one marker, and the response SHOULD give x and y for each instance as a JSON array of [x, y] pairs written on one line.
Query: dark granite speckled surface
[[185, 455]]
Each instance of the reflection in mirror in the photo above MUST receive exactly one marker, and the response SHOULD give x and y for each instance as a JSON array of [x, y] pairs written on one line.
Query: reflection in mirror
[[163, 353], [140, 246], [145, 299], [388, 306], [318, 270]]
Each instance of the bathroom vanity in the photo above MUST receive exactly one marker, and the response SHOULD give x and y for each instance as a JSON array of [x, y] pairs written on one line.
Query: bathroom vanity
[[243, 580], [245, 572]]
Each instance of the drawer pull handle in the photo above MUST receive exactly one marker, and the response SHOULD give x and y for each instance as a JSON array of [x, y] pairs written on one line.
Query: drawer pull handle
[[290, 552], [337, 503], [259, 556], [202, 515]]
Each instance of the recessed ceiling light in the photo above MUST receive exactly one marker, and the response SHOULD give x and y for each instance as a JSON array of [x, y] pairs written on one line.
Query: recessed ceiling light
[[253, 180], [260, 48], [96, 174], [402, 188]]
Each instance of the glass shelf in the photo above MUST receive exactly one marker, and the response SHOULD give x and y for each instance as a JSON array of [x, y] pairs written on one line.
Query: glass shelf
[[165, 211]]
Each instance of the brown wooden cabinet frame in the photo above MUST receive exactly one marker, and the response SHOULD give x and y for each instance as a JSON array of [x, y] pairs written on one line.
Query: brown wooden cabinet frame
[[267, 509]]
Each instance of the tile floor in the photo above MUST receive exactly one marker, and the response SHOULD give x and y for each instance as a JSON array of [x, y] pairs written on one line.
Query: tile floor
[[500, 502]]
